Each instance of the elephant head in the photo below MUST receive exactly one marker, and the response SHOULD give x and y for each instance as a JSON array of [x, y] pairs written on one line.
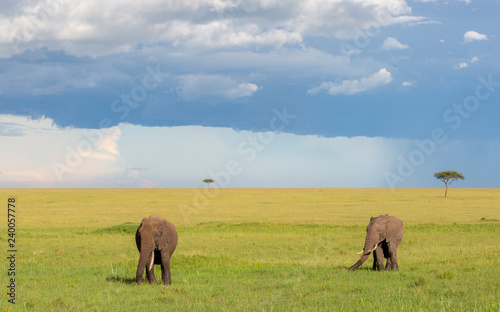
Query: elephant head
[[156, 239], [383, 235]]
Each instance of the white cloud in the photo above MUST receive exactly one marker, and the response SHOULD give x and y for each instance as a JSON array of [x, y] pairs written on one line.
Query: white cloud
[[393, 44], [380, 78], [209, 87], [97, 27], [184, 156], [474, 36], [105, 147], [343, 19], [460, 65], [11, 125], [53, 157], [407, 84], [224, 34], [446, 2], [241, 90]]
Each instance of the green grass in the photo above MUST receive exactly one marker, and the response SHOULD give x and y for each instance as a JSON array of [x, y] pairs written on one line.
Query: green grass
[[256, 250]]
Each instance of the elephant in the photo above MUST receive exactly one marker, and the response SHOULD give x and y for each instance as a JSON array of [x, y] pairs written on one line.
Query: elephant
[[156, 240], [383, 235]]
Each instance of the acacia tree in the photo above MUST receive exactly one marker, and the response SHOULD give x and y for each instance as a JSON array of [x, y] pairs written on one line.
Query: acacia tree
[[208, 181], [447, 177]]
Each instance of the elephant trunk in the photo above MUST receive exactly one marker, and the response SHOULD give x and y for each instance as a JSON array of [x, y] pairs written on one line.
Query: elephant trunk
[[369, 247], [360, 262], [140, 269], [146, 259]]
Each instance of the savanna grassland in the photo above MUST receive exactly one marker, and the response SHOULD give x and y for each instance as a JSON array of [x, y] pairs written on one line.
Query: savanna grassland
[[254, 250]]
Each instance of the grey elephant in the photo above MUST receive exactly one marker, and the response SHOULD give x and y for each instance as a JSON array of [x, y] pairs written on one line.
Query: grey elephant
[[383, 235], [156, 239]]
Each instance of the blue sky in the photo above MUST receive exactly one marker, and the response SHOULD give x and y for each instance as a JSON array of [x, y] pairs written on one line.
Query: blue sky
[[338, 93]]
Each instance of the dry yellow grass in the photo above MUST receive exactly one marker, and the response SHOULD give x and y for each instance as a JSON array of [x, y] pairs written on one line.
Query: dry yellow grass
[[97, 208]]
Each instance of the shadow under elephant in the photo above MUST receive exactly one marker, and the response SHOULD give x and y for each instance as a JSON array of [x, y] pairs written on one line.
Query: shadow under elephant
[[121, 279]]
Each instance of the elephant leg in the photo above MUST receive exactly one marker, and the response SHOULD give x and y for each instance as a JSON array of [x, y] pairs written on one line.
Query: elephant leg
[[140, 269], [165, 268], [138, 275], [388, 264], [387, 256], [393, 250], [393, 257], [378, 260], [394, 261]]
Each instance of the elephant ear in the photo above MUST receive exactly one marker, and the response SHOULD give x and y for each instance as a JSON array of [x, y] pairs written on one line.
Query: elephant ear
[[380, 227], [382, 233], [165, 235], [392, 229], [138, 237], [142, 223]]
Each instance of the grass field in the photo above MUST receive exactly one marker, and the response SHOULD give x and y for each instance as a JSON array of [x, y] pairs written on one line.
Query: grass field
[[254, 250]]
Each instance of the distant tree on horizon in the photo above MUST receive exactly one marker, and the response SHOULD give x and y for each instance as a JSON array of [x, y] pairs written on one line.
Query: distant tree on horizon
[[447, 177], [208, 181]]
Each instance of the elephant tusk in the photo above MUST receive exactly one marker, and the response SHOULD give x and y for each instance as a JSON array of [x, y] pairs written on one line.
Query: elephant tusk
[[368, 251], [152, 260]]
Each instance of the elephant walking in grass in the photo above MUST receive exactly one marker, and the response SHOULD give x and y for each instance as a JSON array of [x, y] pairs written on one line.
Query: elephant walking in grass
[[383, 235], [156, 240]]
